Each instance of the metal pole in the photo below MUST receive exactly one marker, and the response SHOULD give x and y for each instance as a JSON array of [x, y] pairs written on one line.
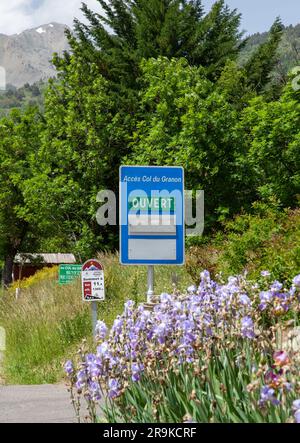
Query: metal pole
[[150, 291], [94, 317]]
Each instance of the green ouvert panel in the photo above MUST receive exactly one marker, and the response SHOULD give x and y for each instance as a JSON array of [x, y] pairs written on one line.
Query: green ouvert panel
[[152, 203]]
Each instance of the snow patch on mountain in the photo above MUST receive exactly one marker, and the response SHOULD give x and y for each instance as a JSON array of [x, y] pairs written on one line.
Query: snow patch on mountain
[[41, 30]]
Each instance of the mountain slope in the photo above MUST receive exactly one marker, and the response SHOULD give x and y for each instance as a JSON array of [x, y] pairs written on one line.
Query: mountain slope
[[27, 56], [289, 48]]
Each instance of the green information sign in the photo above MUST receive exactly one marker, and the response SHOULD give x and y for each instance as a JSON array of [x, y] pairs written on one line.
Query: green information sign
[[67, 273]]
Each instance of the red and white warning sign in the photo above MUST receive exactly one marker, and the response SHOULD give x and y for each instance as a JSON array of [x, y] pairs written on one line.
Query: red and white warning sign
[[92, 277]]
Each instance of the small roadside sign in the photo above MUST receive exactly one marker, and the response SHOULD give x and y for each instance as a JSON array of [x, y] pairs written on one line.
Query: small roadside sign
[[68, 273], [92, 277]]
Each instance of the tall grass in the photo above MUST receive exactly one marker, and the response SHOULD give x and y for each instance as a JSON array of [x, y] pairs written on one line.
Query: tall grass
[[48, 321]]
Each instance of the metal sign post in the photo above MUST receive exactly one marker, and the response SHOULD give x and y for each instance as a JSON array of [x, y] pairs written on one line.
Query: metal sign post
[[92, 276], [151, 217], [150, 292], [94, 317]]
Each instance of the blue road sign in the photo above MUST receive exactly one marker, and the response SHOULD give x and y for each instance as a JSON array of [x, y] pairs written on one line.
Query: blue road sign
[[151, 215]]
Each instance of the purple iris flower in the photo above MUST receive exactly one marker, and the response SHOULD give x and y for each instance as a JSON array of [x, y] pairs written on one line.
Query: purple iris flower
[[247, 327], [101, 329], [186, 352], [113, 388], [165, 298], [244, 300], [207, 319], [265, 273], [79, 385], [129, 305], [268, 394], [81, 380], [69, 368], [103, 350], [113, 361], [296, 404], [209, 332], [296, 281], [205, 276], [160, 332], [187, 325], [265, 298], [95, 391], [136, 370], [296, 409], [90, 359], [117, 326], [95, 370], [276, 286]]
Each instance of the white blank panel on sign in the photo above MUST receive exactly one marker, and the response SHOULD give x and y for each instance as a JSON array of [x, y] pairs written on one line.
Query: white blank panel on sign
[[152, 224], [152, 249]]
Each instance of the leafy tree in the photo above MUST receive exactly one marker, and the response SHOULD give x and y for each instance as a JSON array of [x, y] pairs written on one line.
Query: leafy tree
[[80, 148], [233, 85], [270, 131], [92, 111], [19, 136], [134, 29], [185, 120], [261, 64], [151, 82]]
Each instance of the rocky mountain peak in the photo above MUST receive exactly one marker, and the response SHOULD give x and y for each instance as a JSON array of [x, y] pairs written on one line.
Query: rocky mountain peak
[[27, 56]]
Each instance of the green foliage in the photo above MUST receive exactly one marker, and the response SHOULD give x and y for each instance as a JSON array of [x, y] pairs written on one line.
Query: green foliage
[[210, 391], [21, 98], [186, 121], [132, 30], [233, 85], [271, 132], [19, 141], [74, 162], [288, 51], [262, 62], [267, 239], [147, 82]]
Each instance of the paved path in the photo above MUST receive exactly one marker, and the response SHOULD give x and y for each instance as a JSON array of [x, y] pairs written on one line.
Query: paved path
[[35, 404]]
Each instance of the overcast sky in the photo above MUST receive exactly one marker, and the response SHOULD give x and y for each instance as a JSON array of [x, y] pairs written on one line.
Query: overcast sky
[[18, 15]]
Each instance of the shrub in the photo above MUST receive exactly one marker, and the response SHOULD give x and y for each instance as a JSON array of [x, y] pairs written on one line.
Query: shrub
[[266, 239]]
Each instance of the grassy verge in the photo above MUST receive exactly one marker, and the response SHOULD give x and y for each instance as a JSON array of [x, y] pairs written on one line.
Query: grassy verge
[[46, 324]]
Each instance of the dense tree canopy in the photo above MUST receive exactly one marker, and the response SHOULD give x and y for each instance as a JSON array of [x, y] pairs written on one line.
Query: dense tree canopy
[[19, 143], [130, 30], [148, 82]]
